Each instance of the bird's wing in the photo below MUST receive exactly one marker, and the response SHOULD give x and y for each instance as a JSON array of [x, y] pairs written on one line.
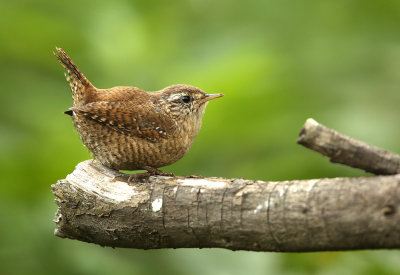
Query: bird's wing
[[141, 120]]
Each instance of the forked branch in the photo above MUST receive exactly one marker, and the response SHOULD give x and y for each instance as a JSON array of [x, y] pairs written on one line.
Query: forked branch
[[98, 205]]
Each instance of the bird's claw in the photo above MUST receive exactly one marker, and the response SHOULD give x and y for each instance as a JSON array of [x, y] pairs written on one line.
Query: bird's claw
[[151, 171]]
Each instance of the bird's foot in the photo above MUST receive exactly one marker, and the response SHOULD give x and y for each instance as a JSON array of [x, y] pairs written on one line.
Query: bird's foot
[[138, 176], [154, 171], [151, 171]]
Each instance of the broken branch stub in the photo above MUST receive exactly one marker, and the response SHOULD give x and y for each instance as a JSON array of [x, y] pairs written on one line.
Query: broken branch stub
[[342, 149]]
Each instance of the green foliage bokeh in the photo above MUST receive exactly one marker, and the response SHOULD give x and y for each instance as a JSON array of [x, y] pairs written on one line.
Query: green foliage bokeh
[[277, 62]]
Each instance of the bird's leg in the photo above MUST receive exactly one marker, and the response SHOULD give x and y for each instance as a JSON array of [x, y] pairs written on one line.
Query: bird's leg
[[151, 171]]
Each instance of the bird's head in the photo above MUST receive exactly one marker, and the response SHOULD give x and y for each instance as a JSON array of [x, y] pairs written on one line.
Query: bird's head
[[186, 101]]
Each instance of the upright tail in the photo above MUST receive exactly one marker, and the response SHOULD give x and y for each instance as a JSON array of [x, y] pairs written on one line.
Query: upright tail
[[81, 87]]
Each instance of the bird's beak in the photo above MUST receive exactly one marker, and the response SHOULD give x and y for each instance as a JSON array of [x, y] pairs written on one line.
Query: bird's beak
[[211, 96]]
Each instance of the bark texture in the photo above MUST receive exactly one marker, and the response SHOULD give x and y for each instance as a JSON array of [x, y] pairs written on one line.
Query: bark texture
[[97, 205]]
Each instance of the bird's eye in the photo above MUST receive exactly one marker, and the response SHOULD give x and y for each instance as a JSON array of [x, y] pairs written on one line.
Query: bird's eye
[[186, 99]]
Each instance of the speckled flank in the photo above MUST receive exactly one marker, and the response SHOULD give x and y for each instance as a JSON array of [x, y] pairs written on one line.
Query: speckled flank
[[125, 152]]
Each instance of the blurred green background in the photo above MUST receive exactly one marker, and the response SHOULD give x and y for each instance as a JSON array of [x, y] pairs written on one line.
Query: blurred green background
[[278, 62]]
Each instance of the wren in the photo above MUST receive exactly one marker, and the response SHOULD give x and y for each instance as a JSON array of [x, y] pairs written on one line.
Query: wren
[[127, 128]]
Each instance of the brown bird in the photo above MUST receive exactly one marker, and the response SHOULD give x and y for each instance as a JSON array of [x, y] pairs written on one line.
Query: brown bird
[[127, 128]]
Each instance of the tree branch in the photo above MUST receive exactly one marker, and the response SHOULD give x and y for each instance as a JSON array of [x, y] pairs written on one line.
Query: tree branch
[[345, 150], [97, 205]]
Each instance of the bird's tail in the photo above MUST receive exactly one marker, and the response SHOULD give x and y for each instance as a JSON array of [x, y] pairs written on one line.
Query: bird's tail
[[80, 85]]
